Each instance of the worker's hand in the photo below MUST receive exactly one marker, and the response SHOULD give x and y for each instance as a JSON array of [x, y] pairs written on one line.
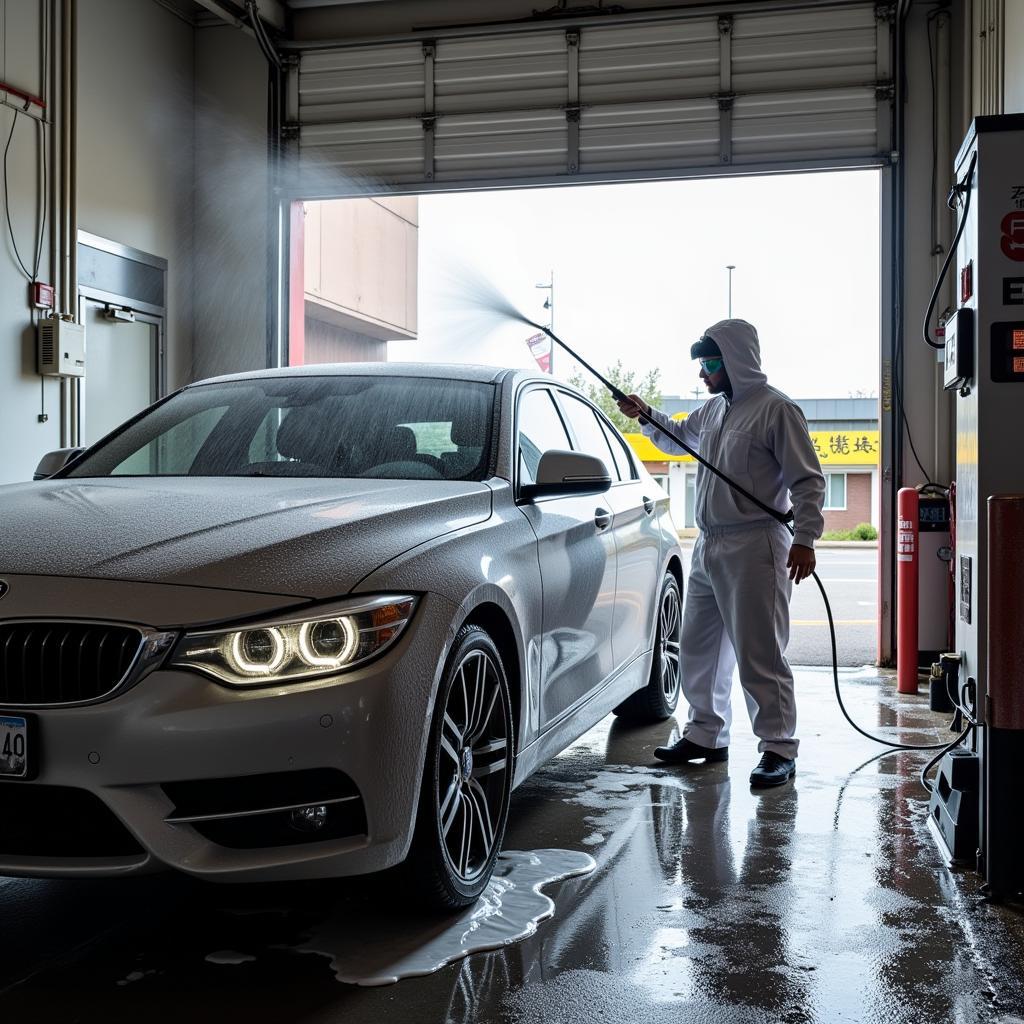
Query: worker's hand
[[800, 562], [634, 407]]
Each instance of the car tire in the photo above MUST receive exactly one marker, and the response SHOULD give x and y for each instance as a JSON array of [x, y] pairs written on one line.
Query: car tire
[[659, 698], [467, 779]]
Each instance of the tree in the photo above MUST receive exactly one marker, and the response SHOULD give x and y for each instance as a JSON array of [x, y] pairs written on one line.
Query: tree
[[648, 387]]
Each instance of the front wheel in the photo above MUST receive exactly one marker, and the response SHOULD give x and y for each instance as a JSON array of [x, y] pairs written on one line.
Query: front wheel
[[468, 777], [658, 699]]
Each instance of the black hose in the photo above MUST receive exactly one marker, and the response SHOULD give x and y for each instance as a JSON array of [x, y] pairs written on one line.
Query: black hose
[[964, 187], [782, 517], [923, 774]]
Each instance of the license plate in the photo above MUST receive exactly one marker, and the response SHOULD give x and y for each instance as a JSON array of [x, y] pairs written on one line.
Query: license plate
[[14, 752]]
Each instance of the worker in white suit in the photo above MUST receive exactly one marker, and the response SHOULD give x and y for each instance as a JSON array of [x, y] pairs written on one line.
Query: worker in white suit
[[744, 562]]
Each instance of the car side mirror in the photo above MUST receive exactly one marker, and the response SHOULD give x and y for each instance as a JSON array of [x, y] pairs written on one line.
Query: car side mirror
[[53, 462], [561, 473]]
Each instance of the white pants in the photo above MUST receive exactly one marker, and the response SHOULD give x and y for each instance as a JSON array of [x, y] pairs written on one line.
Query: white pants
[[737, 614]]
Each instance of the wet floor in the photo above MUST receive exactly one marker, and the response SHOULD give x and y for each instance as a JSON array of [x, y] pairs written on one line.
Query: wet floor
[[822, 901]]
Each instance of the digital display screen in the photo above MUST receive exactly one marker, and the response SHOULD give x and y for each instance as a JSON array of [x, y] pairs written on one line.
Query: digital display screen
[[932, 514], [1007, 352]]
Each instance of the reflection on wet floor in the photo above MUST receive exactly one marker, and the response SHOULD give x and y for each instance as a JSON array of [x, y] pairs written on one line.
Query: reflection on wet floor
[[824, 900]]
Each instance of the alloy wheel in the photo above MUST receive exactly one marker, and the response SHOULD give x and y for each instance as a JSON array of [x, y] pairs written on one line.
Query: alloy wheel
[[474, 760], [669, 621]]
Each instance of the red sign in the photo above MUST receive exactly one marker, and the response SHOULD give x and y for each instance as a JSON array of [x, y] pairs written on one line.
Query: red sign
[[540, 349], [1012, 242]]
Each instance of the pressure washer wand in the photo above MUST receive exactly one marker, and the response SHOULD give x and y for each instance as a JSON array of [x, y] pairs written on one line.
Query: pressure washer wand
[[620, 396], [787, 520]]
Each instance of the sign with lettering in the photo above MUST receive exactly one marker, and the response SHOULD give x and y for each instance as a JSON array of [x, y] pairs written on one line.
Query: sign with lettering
[[835, 448]]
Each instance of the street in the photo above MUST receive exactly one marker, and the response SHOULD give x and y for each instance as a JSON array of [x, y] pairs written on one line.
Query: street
[[850, 578]]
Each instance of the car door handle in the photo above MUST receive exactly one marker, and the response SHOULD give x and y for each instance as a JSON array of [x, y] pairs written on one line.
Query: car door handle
[[602, 518], [648, 505]]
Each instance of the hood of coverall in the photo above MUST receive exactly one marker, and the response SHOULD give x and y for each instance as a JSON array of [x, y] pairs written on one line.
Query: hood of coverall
[[741, 353]]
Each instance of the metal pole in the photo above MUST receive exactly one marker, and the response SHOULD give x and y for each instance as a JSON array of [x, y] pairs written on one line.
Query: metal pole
[[730, 267], [551, 359], [549, 305]]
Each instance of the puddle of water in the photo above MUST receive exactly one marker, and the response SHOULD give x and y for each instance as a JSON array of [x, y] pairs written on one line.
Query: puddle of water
[[229, 958], [384, 948]]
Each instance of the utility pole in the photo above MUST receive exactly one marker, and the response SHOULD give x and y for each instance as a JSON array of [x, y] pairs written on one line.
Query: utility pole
[[730, 267], [549, 305]]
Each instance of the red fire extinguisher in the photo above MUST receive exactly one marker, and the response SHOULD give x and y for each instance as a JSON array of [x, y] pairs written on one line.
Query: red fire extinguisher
[[907, 567]]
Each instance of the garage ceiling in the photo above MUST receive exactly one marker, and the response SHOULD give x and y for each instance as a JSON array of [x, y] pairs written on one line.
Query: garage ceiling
[[687, 92]]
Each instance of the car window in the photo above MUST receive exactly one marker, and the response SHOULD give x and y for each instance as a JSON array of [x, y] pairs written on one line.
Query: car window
[[171, 453], [620, 452], [590, 436], [375, 426], [540, 430]]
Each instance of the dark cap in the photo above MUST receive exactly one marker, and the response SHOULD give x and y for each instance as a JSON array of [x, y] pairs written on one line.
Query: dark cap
[[706, 348]]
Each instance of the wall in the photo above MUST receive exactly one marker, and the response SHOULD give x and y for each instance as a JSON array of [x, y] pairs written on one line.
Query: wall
[[135, 146], [22, 438], [1013, 67], [929, 409], [328, 343], [361, 265], [231, 282], [858, 504]]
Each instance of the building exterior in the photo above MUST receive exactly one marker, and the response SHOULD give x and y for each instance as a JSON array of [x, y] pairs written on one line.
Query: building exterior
[[358, 278], [845, 435]]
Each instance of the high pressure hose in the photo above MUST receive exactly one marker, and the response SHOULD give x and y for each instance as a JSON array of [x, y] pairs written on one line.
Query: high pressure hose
[[962, 188], [786, 519]]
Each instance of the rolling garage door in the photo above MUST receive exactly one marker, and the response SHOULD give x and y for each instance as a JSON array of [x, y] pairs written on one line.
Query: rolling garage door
[[759, 89]]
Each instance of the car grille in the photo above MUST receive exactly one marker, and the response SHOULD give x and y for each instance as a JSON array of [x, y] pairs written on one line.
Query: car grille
[[63, 662]]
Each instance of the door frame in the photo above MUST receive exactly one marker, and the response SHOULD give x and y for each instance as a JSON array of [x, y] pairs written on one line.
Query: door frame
[[158, 383], [89, 294]]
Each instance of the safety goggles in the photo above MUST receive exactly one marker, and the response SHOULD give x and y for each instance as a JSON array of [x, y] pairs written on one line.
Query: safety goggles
[[711, 366]]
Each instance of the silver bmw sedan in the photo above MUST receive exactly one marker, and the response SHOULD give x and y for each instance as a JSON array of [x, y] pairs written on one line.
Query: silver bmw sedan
[[320, 621]]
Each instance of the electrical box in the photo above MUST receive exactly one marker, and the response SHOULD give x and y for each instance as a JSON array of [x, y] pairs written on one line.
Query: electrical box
[[959, 337], [61, 348]]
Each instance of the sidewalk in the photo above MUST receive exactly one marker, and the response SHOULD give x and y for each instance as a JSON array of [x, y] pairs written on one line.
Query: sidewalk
[[864, 545]]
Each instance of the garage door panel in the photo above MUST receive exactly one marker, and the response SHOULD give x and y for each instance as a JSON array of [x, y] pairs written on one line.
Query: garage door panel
[[649, 136], [527, 141], [665, 63], [765, 86], [361, 83], [769, 24], [381, 151], [834, 134]]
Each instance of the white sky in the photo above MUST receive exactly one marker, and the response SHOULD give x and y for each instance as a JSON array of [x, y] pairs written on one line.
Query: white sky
[[640, 272]]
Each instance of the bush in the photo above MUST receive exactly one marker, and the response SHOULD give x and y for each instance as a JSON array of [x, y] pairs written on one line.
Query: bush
[[862, 531]]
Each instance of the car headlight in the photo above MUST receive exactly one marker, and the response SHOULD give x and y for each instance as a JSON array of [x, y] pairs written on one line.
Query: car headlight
[[293, 649]]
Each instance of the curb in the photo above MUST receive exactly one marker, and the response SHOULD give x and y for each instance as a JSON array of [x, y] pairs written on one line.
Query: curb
[[863, 545]]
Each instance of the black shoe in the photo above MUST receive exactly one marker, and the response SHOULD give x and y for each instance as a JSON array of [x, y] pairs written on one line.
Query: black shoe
[[772, 770], [686, 750]]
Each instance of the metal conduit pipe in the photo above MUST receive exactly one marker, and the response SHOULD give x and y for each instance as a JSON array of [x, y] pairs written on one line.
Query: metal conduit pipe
[[943, 428]]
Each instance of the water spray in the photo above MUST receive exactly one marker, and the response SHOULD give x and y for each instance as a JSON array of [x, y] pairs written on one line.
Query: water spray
[[490, 299]]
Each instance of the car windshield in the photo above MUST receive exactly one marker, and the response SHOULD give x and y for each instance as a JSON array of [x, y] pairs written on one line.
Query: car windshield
[[404, 428]]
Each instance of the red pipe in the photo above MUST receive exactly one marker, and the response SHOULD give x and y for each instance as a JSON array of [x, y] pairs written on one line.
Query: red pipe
[[907, 556], [22, 95]]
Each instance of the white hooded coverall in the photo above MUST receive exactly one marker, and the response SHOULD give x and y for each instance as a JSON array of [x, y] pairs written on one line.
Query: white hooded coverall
[[737, 599]]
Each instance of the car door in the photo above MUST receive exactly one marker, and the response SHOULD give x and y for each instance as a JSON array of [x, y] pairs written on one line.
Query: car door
[[577, 564], [634, 504]]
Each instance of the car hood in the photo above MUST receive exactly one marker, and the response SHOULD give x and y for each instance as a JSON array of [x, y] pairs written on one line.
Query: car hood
[[309, 538]]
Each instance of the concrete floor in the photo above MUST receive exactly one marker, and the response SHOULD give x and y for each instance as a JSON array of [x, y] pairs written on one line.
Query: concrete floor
[[822, 901]]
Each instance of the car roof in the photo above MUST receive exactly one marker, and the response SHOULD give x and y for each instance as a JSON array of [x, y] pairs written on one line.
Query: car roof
[[441, 371]]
